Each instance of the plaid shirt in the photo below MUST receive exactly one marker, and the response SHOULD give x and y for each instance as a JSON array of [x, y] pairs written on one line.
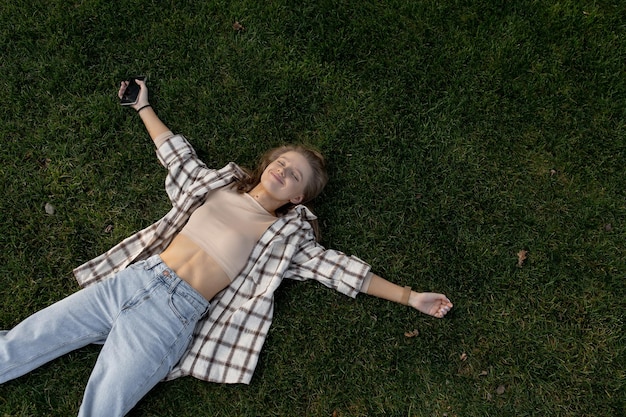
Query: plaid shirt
[[228, 340]]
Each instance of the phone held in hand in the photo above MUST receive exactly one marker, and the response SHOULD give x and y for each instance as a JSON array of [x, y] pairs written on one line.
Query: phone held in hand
[[132, 91]]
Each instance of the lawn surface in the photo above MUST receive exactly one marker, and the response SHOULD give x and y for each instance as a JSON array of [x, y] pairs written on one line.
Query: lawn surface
[[458, 133]]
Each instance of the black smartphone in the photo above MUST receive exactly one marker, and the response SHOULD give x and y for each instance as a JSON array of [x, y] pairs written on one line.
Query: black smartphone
[[132, 91]]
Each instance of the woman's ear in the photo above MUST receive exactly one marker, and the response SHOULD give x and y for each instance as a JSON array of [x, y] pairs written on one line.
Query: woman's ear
[[297, 200]]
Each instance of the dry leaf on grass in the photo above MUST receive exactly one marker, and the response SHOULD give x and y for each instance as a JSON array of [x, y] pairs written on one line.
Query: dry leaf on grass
[[521, 257], [412, 333], [238, 27], [500, 390], [463, 356]]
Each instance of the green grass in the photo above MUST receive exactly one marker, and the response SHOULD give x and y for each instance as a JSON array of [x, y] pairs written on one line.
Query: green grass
[[458, 133]]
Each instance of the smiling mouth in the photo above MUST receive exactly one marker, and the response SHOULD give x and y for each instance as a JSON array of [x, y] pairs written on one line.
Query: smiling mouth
[[277, 177]]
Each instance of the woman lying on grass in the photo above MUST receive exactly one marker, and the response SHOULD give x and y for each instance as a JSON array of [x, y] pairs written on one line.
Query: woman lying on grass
[[193, 293]]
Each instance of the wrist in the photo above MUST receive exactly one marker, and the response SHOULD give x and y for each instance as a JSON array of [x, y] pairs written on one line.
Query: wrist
[[413, 299], [145, 106], [406, 295]]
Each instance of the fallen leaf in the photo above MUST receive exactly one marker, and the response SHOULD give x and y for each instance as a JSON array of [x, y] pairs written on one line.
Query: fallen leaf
[[238, 27], [49, 209], [521, 257], [608, 227], [463, 356], [108, 229], [500, 390], [412, 333], [483, 373]]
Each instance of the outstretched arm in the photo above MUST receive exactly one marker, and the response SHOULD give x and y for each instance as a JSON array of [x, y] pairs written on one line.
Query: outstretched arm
[[433, 304], [155, 127]]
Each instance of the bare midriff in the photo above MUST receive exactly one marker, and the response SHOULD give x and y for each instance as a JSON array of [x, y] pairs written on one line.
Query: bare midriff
[[192, 264]]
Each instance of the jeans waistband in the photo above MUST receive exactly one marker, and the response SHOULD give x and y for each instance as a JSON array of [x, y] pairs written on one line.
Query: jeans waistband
[[176, 283]]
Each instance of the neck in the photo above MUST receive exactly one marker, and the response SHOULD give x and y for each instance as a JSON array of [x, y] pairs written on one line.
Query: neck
[[265, 200]]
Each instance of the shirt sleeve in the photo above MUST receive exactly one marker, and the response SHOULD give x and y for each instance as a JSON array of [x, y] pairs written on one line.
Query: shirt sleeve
[[366, 282], [183, 166], [332, 268], [162, 138]]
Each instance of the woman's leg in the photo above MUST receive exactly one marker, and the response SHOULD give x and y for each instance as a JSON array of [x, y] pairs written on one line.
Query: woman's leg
[[69, 324], [148, 338]]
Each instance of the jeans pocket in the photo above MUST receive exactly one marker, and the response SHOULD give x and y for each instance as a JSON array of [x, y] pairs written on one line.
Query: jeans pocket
[[183, 308], [139, 266]]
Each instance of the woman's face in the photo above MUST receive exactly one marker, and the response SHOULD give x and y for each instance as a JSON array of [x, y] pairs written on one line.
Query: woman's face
[[286, 178]]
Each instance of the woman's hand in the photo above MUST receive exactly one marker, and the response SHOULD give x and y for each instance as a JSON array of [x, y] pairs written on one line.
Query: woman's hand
[[142, 98], [433, 304]]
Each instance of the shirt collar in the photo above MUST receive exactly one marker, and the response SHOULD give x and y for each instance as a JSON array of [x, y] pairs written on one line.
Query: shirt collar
[[303, 212]]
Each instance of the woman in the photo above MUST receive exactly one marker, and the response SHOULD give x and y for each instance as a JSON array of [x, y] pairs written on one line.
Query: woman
[[230, 238]]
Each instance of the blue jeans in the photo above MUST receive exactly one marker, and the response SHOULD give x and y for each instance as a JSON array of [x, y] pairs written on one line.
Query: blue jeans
[[145, 316]]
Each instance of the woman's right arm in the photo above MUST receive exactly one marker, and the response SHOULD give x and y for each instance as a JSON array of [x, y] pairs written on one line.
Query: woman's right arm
[[155, 127]]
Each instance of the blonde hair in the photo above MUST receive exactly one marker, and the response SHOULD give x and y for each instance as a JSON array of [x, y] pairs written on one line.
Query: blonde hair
[[314, 187]]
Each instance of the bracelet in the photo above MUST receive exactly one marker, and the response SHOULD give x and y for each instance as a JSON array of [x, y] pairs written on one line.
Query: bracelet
[[405, 296], [141, 108]]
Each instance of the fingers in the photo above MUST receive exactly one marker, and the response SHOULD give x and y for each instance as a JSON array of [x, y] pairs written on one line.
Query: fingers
[[442, 306], [123, 86], [444, 309]]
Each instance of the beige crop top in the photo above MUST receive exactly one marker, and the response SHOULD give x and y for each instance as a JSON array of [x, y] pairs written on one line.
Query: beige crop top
[[227, 226]]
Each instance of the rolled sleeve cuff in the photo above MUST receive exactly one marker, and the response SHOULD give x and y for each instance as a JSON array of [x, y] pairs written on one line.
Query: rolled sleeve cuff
[[354, 277], [162, 138]]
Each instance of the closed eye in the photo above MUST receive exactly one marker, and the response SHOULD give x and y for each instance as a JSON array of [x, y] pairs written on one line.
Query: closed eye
[[295, 174]]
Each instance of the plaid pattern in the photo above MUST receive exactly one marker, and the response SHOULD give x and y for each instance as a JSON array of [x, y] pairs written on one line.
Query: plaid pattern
[[228, 340]]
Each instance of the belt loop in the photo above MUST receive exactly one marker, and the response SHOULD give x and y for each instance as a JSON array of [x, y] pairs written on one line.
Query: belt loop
[[169, 274]]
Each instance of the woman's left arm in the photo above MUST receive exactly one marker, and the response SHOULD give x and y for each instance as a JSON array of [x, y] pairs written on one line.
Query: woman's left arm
[[348, 274], [433, 304]]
